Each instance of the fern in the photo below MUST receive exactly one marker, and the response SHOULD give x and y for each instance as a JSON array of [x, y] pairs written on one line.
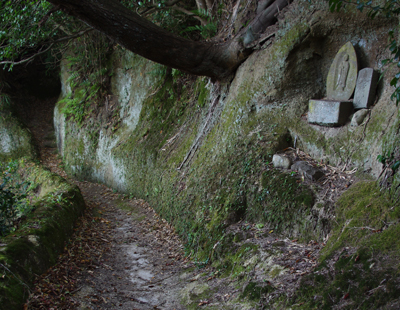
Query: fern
[[206, 31]]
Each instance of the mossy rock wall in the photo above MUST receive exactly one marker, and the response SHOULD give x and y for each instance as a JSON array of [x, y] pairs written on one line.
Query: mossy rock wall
[[15, 138], [35, 246], [198, 151]]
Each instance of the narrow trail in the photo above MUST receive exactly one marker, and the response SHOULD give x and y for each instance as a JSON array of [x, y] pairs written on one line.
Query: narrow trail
[[122, 255]]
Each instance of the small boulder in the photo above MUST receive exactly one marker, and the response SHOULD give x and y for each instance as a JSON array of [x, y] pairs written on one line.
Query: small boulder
[[359, 117], [307, 170], [281, 161]]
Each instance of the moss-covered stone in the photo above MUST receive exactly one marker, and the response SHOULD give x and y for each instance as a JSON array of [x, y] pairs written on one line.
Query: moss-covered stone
[[15, 139], [35, 246]]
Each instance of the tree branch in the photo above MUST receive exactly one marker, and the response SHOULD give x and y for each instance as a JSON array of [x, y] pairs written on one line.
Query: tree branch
[[76, 35], [46, 17]]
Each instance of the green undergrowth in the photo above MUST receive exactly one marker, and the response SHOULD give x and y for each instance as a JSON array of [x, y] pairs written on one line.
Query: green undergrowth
[[253, 291], [40, 238], [366, 216], [360, 280], [283, 200], [89, 77], [359, 266]]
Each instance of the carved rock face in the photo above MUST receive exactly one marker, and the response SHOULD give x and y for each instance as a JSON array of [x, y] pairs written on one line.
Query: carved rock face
[[342, 76]]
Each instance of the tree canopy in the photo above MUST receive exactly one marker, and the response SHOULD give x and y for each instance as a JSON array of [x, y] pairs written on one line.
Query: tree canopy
[[31, 27]]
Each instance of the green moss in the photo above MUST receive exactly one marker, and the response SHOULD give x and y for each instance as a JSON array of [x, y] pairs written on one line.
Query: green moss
[[359, 265], [234, 263], [362, 212], [193, 293], [254, 292], [202, 91], [355, 280], [282, 201], [290, 39]]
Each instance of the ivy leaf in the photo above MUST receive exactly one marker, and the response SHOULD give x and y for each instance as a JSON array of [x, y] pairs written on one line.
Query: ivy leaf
[[393, 46], [396, 166], [385, 61]]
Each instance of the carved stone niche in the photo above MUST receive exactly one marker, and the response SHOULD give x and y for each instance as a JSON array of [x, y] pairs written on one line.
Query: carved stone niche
[[340, 84]]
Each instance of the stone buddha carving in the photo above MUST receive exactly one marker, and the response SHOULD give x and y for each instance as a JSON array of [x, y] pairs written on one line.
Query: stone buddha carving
[[342, 76], [342, 70]]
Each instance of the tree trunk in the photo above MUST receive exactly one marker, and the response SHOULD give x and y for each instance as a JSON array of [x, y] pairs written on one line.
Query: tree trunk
[[216, 60]]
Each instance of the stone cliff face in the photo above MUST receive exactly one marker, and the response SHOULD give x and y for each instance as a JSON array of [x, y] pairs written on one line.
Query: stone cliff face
[[198, 150]]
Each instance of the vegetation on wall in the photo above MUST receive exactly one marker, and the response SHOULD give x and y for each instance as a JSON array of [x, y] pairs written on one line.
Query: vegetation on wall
[[14, 201], [89, 76], [41, 234], [359, 264], [33, 28]]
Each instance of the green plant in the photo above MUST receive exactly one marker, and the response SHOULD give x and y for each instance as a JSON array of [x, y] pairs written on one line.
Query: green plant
[[5, 100], [14, 203], [89, 77], [206, 31], [390, 160]]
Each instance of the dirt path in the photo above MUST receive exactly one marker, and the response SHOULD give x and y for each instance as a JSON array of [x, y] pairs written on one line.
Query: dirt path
[[140, 269], [122, 254]]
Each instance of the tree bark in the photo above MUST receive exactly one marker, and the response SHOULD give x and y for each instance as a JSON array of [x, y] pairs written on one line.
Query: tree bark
[[216, 60]]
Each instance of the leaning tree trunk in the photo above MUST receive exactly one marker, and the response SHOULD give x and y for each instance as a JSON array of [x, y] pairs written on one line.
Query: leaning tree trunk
[[216, 60]]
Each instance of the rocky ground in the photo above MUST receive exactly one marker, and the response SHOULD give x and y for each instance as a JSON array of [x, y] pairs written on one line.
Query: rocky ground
[[124, 256]]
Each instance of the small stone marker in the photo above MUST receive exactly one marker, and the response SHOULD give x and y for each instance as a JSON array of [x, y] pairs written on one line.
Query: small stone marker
[[364, 95], [342, 75], [359, 117], [280, 161], [329, 113]]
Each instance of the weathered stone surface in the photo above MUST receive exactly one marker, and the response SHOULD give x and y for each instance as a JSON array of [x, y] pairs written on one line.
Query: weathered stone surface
[[364, 94], [342, 75], [359, 117], [329, 112], [281, 161], [307, 170]]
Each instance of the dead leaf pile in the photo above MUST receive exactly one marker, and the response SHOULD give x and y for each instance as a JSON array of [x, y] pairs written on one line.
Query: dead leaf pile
[[54, 289]]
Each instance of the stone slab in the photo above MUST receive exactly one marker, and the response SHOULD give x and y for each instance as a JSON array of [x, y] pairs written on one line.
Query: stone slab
[[359, 117], [364, 95], [342, 76], [329, 112], [281, 161], [308, 171]]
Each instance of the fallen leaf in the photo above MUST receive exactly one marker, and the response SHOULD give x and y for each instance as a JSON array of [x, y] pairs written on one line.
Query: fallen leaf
[[203, 302]]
